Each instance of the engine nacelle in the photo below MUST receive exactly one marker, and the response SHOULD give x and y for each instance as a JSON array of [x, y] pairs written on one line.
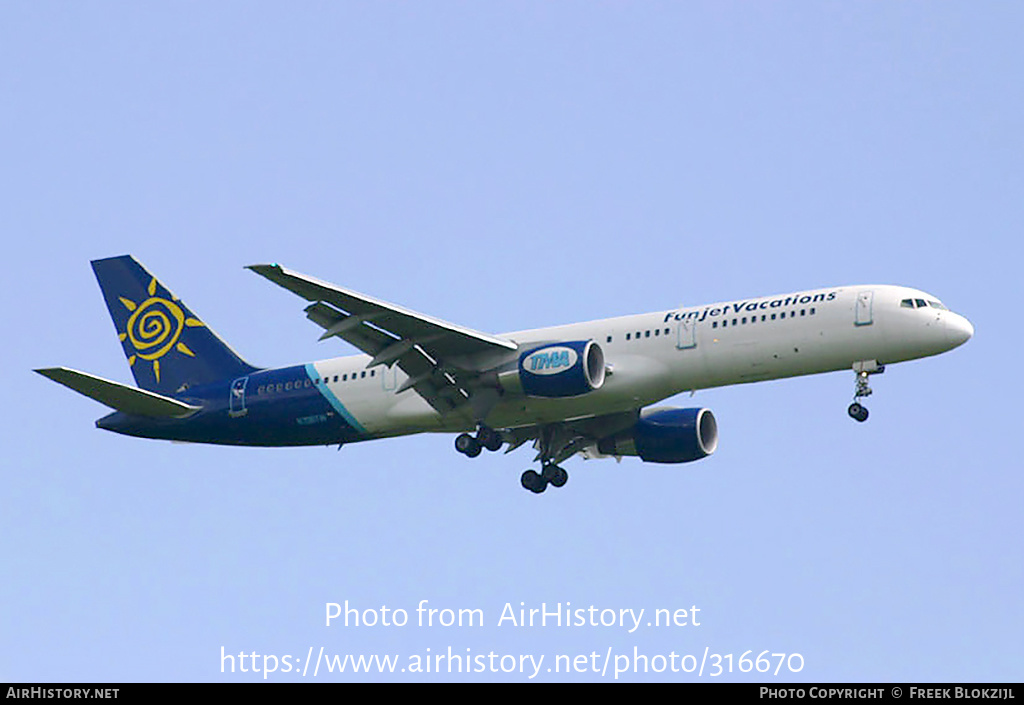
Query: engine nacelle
[[558, 370], [666, 436]]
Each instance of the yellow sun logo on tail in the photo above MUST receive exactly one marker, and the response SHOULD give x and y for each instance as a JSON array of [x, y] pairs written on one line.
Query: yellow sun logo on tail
[[154, 328]]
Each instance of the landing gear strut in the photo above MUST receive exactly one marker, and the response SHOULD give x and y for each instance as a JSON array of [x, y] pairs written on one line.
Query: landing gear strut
[[863, 369]]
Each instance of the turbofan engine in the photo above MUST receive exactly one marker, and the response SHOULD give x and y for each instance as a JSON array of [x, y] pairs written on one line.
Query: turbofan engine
[[666, 436], [557, 370]]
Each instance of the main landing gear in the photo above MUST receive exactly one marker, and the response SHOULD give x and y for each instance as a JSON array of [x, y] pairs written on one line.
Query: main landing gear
[[554, 443], [486, 437], [856, 410], [471, 446], [549, 474]]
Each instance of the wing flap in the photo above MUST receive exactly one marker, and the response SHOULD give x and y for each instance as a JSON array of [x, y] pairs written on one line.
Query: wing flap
[[555, 442], [120, 397], [423, 370]]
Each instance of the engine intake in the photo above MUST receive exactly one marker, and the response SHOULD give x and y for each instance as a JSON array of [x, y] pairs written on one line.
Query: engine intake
[[666, 436]]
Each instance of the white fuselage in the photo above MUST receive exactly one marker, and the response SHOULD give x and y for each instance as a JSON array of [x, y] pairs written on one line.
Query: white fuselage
[[653, 356]]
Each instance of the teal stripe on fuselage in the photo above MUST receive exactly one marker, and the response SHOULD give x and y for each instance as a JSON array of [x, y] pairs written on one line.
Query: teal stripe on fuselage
[[333, 400]]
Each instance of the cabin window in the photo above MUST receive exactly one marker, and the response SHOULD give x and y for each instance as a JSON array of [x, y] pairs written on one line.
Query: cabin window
[[608, 339]]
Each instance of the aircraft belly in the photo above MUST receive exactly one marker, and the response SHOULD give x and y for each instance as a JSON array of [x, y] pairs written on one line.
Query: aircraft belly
[[408, 412]]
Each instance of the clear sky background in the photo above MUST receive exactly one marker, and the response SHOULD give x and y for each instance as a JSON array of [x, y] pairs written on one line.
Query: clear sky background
[[507, 166]]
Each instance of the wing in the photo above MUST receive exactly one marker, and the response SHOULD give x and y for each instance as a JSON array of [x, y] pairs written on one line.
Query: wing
[[444, 362]]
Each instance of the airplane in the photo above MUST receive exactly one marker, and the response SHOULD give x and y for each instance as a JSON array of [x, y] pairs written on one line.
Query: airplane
[[584, 388]]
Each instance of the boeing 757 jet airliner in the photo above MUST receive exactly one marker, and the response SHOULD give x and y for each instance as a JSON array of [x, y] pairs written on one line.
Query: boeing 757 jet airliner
[[582, 388]]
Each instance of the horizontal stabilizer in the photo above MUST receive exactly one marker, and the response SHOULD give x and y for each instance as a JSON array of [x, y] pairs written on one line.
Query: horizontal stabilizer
[[121, 397]]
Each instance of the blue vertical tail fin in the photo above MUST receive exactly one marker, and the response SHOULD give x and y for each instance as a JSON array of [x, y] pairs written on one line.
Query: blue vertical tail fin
[[168, 348]]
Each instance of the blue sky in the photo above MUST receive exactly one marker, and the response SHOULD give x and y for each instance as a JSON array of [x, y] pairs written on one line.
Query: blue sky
[[507, 166]]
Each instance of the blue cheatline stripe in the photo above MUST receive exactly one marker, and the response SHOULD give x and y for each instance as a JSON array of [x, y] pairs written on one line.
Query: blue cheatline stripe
[[333, 400]]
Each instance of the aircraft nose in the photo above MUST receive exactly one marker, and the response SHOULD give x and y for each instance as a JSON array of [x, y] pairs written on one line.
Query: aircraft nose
[[958, 329]]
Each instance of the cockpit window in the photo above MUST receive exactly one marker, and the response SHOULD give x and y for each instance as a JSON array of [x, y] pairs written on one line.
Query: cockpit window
[[921, 303]]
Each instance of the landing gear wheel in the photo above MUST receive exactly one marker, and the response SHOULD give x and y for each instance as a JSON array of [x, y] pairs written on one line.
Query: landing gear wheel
[[863, 369], [533, 481], [489, 438], [555, 475], [467, 445], [858, 412]]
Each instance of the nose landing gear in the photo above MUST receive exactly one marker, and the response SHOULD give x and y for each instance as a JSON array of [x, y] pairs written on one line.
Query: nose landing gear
[[863, 369]]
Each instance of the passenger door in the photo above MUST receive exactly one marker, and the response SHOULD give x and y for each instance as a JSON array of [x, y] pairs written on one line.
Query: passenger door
[[687, 333], [863, 314], [236, 399]]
